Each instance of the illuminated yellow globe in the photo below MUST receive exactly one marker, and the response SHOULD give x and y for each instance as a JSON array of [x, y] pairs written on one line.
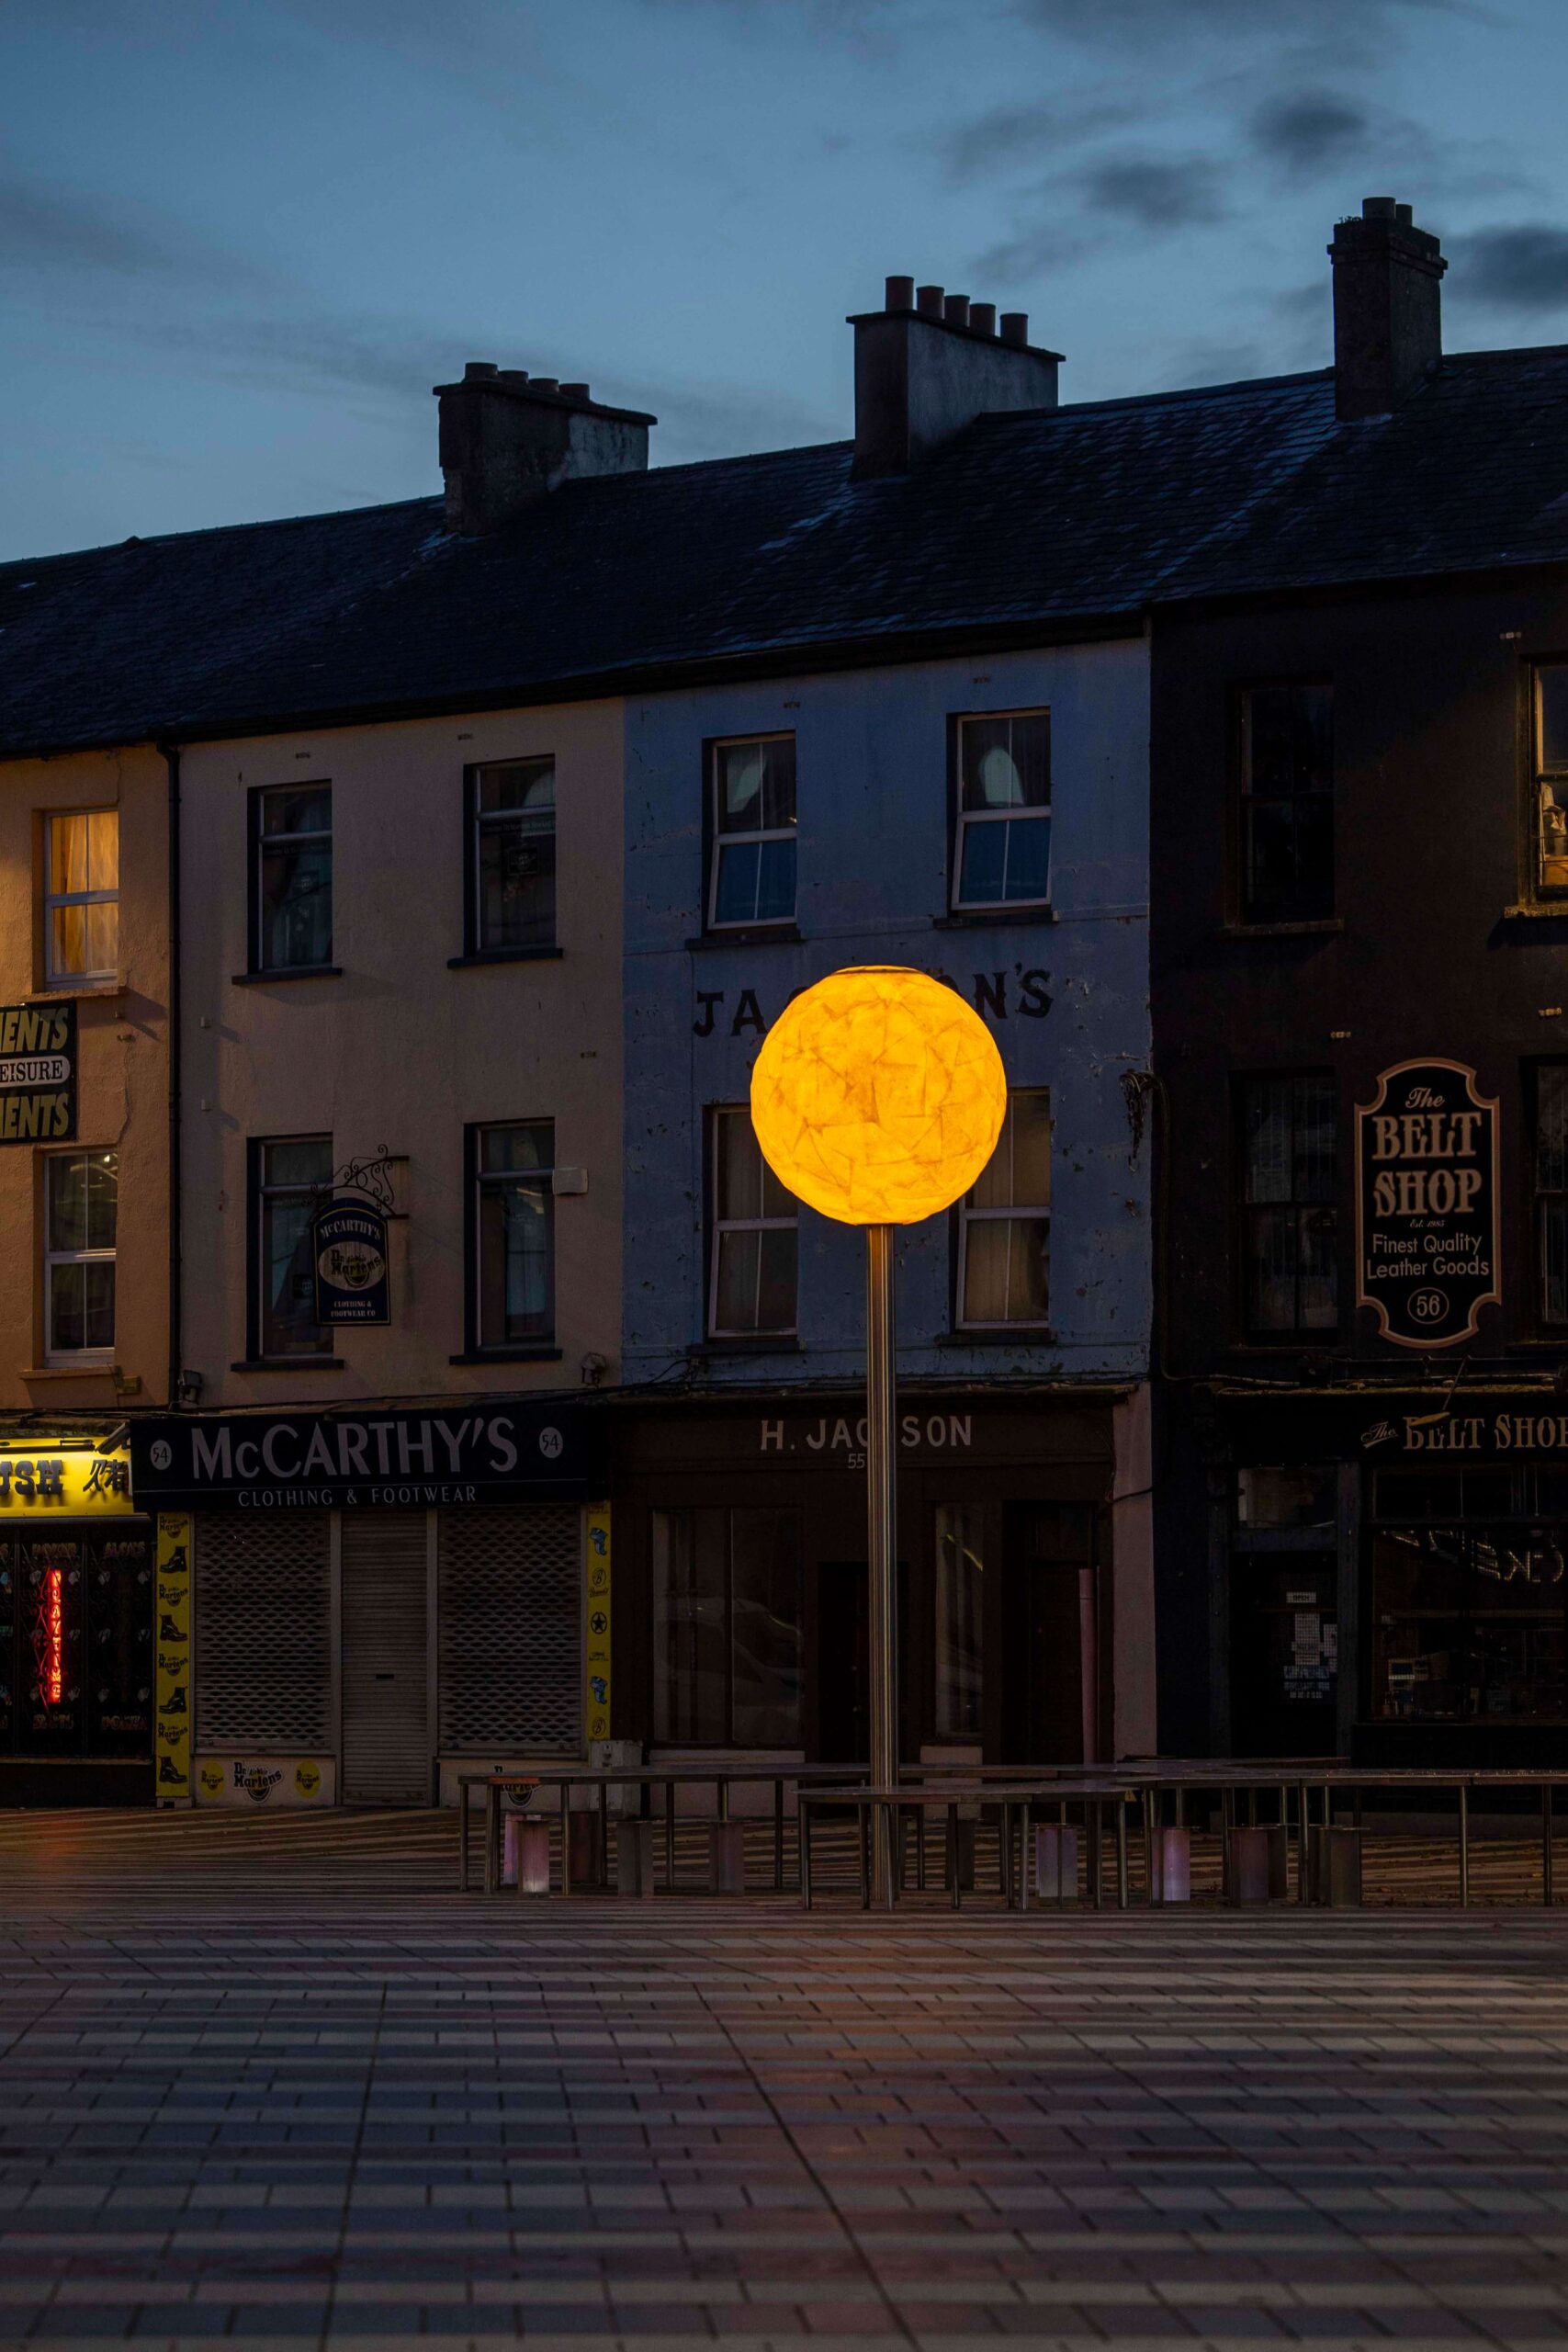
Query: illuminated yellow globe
[[878, 1096]]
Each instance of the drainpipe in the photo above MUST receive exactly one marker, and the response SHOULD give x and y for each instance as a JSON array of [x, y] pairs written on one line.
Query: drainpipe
[[172, 761]]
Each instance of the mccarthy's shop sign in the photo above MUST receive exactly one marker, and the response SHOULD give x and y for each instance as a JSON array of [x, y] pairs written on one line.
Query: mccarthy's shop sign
[[38, 1073], [351, 1262], [1427, 1203], [313, 1462]]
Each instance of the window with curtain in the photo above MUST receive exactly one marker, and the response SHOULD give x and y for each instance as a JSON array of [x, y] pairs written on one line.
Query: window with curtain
[[513, 854], [753, 1234], [289, 1175], [1002, 853], [752, 878], [513, 1232], [1004, 1223], [291, 853], [82, 896]]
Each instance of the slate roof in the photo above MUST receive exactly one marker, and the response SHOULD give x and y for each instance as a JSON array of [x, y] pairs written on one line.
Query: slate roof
[[1081, 515]]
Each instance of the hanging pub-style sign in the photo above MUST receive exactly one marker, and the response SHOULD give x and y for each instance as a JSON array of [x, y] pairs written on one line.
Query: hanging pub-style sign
[[351, 1262], [38, 1073], [1426, 1202]]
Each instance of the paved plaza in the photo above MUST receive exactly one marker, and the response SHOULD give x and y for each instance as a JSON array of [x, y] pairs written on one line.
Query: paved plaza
[[273, 2080]]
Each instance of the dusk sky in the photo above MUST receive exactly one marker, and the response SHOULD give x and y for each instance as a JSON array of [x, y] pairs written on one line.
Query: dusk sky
[[240, 240]]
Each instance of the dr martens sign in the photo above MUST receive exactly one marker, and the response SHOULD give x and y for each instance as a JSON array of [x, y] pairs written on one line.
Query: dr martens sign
[[1427, 1203]]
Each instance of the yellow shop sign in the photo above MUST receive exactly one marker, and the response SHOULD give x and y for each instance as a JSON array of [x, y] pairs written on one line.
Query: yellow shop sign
[[41, 1478]]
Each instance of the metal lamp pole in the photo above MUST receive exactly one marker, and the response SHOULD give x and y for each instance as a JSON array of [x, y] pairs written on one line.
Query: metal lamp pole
[[882, 1534]]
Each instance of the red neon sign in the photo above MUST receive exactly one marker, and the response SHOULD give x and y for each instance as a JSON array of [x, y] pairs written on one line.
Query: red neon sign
[[53, 1674]]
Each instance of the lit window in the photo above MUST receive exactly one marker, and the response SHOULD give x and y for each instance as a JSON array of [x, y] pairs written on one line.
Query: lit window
[[1287, 803], [1289, 1239], [289, 1175], [82, 896], [1003, 852], [291, 850], [752, 877], [80, 1207], [1004, 1239], [513, 854], [1550, 731], [753, 1235], [513, 1231]]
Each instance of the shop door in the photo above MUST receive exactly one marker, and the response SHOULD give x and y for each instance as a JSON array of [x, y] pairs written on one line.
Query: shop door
[[1284, 1654], [386, 1731], [1050, 1674], [841, 1661]]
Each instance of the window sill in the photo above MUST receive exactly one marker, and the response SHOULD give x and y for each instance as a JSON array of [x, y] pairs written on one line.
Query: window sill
[[76, 991], [992, 918], [90, 1368], [1540, 910], [505, 955], [286, 972], [995, 1335], [756, 935], [1320, 927], [763, 1343], [543, 1354], [288, 1363]]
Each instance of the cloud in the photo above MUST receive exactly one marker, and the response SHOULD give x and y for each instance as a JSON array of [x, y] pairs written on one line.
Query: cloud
[[52, 229], [1520, 268], [992, 142], [1308, 130], [1155, 192], [1176, 22]]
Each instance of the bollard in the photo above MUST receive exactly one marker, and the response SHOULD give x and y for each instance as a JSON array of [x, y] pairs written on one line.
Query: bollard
[[1247, 1866], [526, 1854], [1278, 1838], [1336, 1864], [727, 1858], [1056, 1863], [585, 1849], [1170, 1866], [634, 1857]]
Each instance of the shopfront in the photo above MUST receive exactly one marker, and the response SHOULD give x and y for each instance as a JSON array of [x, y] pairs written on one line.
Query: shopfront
[[1391, 1577], [77, 1626], [1025, 1624], [378, 1599]]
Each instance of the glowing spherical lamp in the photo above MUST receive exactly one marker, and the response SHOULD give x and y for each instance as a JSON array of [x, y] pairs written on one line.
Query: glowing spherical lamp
[[878, 1096]]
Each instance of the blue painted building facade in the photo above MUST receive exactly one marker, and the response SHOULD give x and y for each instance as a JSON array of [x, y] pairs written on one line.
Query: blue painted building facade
[[1029, 1424]]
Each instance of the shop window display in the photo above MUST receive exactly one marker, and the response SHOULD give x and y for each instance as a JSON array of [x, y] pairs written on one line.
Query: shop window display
[[1468, 1614]]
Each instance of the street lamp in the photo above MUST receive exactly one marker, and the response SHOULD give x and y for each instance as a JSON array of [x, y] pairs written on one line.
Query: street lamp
[[878, 1099]]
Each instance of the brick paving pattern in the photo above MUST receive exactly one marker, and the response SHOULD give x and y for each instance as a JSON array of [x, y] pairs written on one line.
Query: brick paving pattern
[[271, 2081]]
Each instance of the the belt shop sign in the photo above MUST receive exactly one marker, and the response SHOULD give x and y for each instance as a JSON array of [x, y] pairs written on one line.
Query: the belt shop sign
[[1427, 1203]]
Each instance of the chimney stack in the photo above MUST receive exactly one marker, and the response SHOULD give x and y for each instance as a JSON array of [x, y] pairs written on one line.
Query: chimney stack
[[929, 364], [506, 440], [1387, 309]]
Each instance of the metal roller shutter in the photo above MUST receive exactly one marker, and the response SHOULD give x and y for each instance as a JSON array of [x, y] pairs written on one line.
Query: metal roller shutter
[[263, 1593], [384, 1557], [511, 1631]]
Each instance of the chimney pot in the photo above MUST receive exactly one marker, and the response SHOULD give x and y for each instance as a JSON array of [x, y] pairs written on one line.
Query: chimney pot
[[1015, 326], [982, 317], [1403, 214], [900, 294], [955, 310], [574, 391], [1378, 208], [928, 301], [477, 369], [545, 384]]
